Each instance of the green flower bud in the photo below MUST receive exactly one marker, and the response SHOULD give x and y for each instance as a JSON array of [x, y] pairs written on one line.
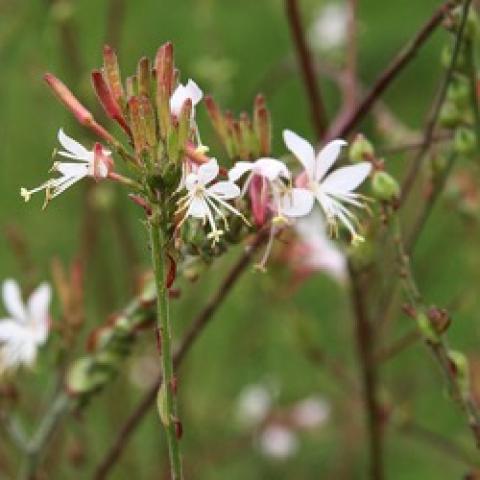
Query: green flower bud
[[360, 150], [384, 186], [84, 377], [460, 364], [450, 115], [459, 91], [361, 254], [465, 141], [426, 328]]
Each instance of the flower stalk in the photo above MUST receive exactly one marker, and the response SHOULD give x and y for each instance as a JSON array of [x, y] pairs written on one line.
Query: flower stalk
[[158, 245]]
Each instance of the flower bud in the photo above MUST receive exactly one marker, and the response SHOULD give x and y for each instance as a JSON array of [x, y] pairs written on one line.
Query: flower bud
[[108, 101], [136, 123], [144, 76], [465, 141], [112, 75], [384, 186], [165, 77], [262, 125], [459, 364], [360, 150], [450, 115], [459, 91], [426, 329]]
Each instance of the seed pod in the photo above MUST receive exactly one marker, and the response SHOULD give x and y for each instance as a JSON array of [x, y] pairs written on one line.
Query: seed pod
[[384, 186], [361, 150]]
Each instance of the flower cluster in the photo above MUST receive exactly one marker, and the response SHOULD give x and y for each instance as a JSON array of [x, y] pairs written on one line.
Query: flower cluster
[[200, 199]]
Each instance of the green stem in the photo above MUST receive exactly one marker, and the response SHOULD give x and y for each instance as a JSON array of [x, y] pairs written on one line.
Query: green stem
[[43, 434], [158, 244], [472, 73]]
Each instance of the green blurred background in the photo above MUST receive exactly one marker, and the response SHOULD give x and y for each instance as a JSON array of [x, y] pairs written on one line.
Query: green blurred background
[[232, 48]]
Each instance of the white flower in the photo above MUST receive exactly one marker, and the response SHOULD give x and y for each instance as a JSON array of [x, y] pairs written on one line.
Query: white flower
[[203, 201], [269, 168], [312, 412], [278, 442], [331, 191], [253, 405], [184, 92], [95, 163], [329, 28], [27, 326], [315, 251]]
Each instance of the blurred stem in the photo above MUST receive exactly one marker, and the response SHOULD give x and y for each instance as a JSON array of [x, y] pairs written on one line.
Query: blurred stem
[[365, 343], [412, 173], [438, 346], [317, 108], [158, 244], [472, 73], [43, 435]]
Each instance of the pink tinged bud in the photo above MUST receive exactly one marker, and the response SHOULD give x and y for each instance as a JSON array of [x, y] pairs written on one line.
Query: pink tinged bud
[[141, 202], [112, 74], [83, 116], [165, 69], [262, 125], [131, 84], [68, 99], [257, 191], [144, 76], [108, 101], [194, 155], [184, 124], [248, 136], [136, 124], [102, 162]]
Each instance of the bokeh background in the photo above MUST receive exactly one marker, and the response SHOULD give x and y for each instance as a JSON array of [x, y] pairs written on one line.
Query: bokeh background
[[233, 49]]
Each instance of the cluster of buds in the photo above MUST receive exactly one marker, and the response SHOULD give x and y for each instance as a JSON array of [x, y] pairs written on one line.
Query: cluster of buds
[[109, 345], [244, 138], [458, 111]]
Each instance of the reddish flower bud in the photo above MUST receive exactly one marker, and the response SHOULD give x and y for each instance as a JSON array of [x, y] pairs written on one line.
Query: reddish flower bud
[[141, 202], [165, 69], [262, 125], [172, 271], [108, 101], [112, 73], [83, 116], [136, 124], [144, 76], [68, 99]]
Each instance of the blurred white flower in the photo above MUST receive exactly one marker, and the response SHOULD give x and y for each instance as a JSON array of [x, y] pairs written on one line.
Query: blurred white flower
[[278, 442], [269, 168], [311, 412], [95, 163], [253, 404], [314, 251], [331, 191], [182, 93], [27, 326], [329, 28], [204, 202]]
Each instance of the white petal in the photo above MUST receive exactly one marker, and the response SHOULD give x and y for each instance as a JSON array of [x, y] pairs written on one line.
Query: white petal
[[224, 190], [71, 169], [297, 202], [208, 171], [302, 150], [198, 208], [239, 169], [12, 299], [271, 168], [11, 331], [327, 156], [346, 179], [38, 309], [193, 91], [72, 145]]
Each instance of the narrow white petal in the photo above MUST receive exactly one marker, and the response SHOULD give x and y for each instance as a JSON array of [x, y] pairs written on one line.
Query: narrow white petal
[[239, 169], [208, 171], [72, 145], [271, 168], [225, 190], [193, 91], [302, 150], [197, 208], [38, 310], [11, 331], [191, 180], [346, 179], [71, 169], [177, 99], [12, 299], [327, 156], [297, 202]]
